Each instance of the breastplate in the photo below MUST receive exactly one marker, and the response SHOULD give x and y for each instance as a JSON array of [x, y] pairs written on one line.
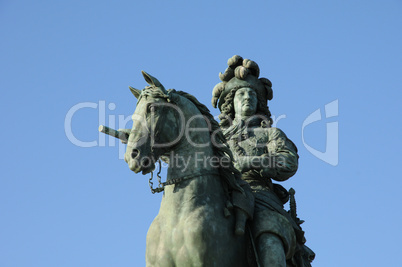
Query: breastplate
[[252, 142]]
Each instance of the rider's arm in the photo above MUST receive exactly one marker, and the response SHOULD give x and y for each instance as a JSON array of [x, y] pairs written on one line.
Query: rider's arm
[[281, 161]]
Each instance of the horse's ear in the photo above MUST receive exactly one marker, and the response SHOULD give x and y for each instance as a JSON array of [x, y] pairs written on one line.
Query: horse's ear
[[135, 92], [153, 81]]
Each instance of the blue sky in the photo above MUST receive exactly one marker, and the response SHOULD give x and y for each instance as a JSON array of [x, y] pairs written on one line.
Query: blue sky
[[66, 205]]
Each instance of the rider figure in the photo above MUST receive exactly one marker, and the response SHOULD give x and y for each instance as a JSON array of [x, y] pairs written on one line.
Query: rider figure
[[262, 153]]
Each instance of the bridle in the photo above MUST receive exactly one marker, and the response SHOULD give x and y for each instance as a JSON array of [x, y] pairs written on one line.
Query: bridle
[[161, 186]]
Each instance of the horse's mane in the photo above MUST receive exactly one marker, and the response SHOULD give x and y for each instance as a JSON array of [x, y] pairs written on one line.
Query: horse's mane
[[220, 148], [153, 91]]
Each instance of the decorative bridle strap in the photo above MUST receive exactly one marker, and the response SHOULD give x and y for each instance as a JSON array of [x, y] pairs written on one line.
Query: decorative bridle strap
[[173, 181]]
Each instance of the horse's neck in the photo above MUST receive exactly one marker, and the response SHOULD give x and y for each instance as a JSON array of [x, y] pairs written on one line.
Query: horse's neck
[[200, 181], [187, 160], [194, 150], [195, 163]]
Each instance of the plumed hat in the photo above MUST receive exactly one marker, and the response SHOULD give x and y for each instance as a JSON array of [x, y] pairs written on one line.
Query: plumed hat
[[241, 73]]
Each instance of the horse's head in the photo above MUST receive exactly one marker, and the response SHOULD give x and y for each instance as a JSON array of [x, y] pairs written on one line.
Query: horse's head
[[156, 126]]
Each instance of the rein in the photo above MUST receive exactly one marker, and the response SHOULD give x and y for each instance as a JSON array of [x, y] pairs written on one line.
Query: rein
[[161, 186]]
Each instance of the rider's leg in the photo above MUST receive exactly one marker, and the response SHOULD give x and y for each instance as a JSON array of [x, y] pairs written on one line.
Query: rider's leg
[[270, 250]]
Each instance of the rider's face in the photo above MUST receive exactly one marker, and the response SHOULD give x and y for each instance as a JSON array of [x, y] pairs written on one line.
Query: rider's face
[[245, 102]]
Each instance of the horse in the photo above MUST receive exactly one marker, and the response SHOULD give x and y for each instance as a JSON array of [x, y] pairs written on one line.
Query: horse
[[194, 226]]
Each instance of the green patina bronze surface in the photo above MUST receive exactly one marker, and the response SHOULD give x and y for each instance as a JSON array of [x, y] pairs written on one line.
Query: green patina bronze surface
[[262, 153], [201, 221], [219, 175]]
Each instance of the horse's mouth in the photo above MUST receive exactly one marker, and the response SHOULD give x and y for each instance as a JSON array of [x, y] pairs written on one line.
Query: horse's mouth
[[148, 164], [144, 165], [148, 169]]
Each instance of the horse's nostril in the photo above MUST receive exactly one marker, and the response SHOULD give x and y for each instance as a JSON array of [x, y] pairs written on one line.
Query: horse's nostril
[[134, 153], [146, 162]]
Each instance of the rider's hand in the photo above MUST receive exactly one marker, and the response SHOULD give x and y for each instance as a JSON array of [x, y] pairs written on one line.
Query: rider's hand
[[242, 163]]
